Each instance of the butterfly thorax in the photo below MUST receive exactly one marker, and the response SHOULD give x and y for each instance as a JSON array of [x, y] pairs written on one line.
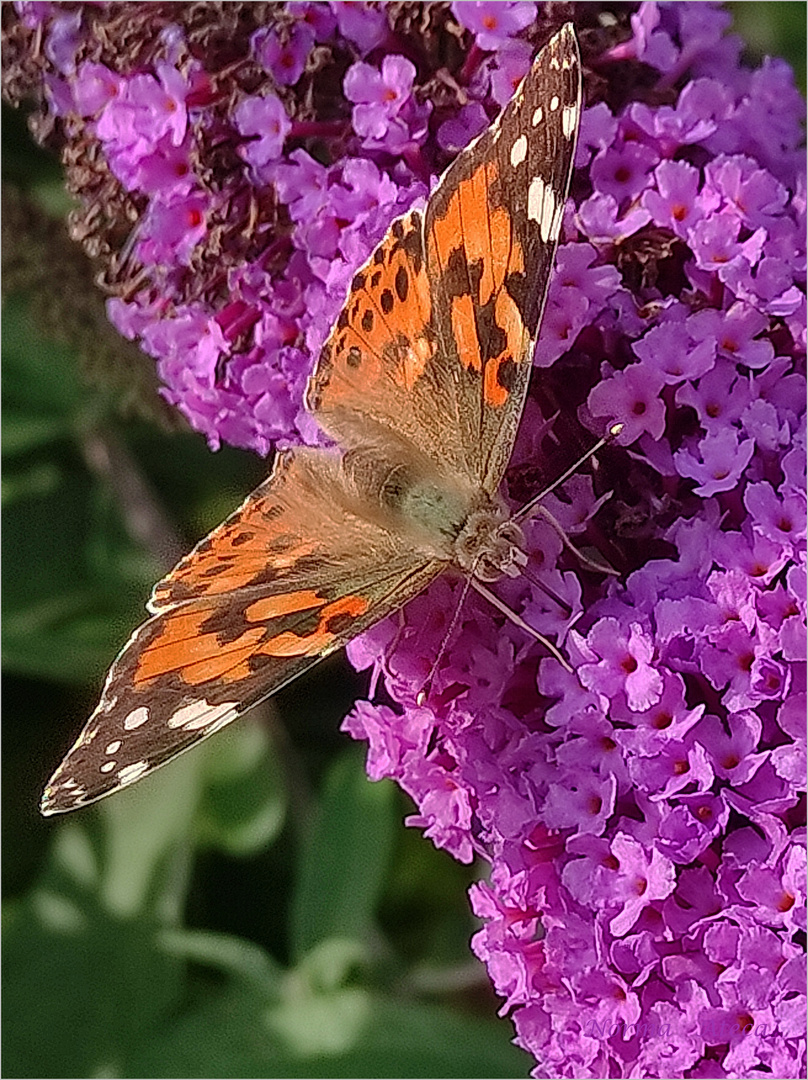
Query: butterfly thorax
[[443, 513]]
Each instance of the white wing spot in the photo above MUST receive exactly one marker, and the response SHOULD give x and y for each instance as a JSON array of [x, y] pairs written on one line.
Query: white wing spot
[[519, 151], [541, 206], [538, 116], [554, 63], [554, 103], [566, 63], [136, 718], [224, 715], [552, 227], [108, 766], [535, 197], [130, 773], [569, 117], [200, 714], [114, 746]]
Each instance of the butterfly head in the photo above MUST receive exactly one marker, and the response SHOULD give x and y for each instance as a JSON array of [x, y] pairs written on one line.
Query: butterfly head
[[490, 545]]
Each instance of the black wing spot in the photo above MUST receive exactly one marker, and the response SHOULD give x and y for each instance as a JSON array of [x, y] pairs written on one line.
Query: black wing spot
[[462, 278], [367, 321], [402, 283], [354, 357], [386, 300], [216, 569], [411, 244], [339, 623], [492, 338], [527, 300], [507, 373]]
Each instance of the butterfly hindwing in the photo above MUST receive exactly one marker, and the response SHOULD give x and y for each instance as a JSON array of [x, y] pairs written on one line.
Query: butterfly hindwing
[[287, 579]]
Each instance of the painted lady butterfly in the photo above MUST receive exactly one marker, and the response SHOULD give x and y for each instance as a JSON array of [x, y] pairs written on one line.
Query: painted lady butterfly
[[422, 384]]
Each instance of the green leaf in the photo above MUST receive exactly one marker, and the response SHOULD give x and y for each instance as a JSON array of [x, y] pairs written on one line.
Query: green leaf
[[241, 959], [86, 985], [146, 840], [226, 1036], [244, 804], [236, 1033], [39, 375], [65, 610], [23, 431], [344, 857], [414, 1040]]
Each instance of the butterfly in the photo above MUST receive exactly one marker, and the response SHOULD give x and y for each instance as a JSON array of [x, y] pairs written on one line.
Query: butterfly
[[421, 385]]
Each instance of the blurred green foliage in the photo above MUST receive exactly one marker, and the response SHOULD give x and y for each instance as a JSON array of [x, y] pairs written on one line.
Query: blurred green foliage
[[256, 908]]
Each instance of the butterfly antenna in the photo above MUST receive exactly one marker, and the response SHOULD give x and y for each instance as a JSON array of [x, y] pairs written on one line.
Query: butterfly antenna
[[471, 581], [529, 509], [424, 692]]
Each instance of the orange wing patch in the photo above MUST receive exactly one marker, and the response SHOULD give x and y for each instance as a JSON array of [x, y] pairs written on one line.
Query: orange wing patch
[[481, 230], [198, 645], [191, 644], [232, 557], [470, 243], [465, 332], [333, 622], [384, 331], [184, 647]]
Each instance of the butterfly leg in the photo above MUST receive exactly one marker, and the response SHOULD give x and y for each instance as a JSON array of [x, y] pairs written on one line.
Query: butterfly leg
[[591, 564], [517, 620]]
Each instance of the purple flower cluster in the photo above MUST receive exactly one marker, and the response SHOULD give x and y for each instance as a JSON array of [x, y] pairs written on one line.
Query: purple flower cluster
[[232, 283], [645, 910]]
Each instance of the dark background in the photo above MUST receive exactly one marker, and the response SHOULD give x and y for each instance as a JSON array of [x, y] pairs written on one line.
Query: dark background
[[257, 908]]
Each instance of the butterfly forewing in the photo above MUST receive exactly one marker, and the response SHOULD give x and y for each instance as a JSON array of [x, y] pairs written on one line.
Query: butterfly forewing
[[492, 229], [435, 341], [425, 373], [287, 579], [379, 376]]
